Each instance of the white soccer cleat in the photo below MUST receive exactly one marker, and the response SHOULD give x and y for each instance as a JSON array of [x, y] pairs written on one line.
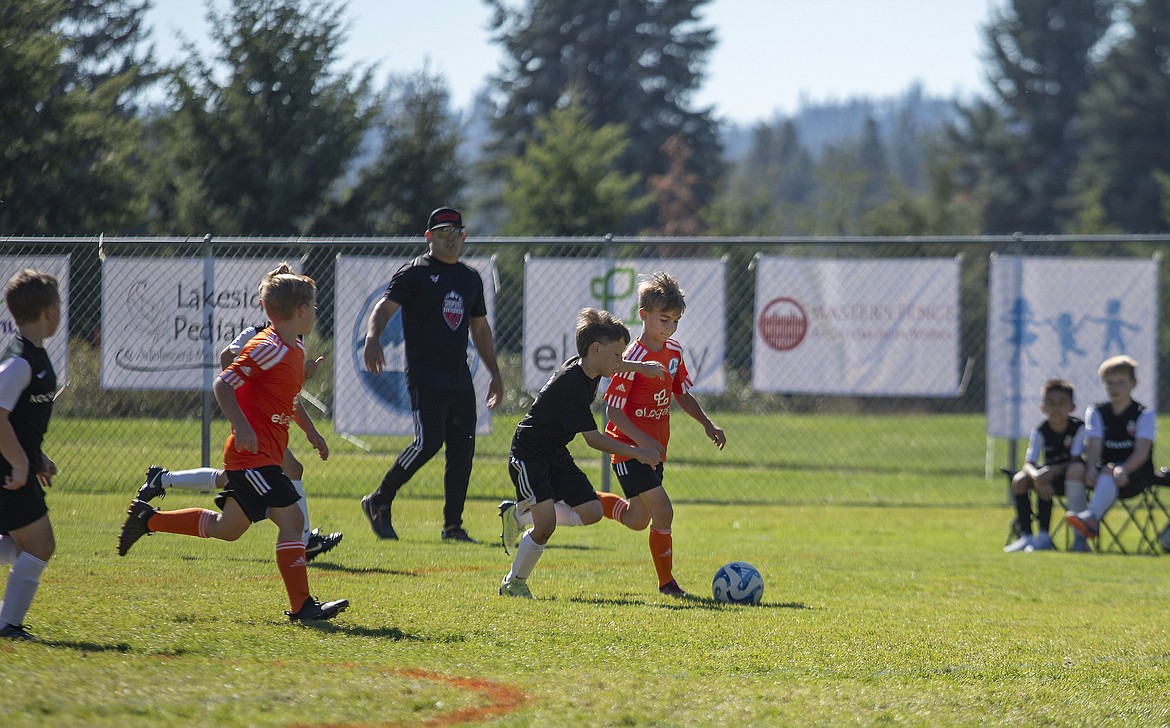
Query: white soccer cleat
[[1020, 544]]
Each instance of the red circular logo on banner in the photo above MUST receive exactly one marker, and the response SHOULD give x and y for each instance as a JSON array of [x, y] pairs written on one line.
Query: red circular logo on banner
[[783, 324]]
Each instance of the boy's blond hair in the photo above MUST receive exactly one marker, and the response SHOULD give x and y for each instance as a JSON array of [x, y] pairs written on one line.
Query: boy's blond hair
[[596, 326], [1118, 364], [282, 291], [661, 292], [29, 293]]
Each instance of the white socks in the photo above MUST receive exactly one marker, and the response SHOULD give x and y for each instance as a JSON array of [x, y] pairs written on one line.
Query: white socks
[[304, 505], [197, 479], [566, 516], [528, 553], [1074, 494], [1104, 496], [23, 581]]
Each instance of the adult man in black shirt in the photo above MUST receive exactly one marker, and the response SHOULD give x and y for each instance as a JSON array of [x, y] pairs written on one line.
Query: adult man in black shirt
[[442, 302]]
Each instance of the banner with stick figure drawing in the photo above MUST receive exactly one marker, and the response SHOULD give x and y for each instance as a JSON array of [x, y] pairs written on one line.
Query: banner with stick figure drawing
[[1059, 318]]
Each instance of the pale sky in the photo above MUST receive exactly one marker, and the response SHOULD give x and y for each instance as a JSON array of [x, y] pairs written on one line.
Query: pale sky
[[771, 54]]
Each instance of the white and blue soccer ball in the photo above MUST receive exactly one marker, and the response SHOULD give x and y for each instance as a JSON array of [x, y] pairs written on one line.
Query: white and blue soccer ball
[[738, 583]]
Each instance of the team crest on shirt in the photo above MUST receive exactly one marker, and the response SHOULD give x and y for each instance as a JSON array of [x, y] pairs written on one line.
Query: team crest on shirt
[[672, 366], [1131, 427], [453, 310]]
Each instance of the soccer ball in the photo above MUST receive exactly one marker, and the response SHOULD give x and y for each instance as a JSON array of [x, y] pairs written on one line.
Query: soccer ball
[[738, 583], [1164, 539]]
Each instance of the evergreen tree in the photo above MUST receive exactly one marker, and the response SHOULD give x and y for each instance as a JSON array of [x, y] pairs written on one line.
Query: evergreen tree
[[259, 153], [630, 62], [66, 154], [417, 168], [674, 193], [567, 181], [1040, 67], [1126, 130]]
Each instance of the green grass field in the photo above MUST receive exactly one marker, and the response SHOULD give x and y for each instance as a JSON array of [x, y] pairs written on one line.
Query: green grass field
[[893, 612], [870, 615]]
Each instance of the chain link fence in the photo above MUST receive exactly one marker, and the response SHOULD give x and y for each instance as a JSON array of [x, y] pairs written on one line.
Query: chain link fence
[[906, 423]]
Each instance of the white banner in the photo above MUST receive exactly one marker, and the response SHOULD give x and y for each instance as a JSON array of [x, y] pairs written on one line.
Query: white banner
[[1060, 318], [380, 405], [555, 290], [57, 346], [165, 320], [871, 327]]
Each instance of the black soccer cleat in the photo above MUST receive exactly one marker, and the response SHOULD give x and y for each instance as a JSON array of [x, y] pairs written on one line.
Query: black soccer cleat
[[319, 544], [17, 632], [314, 611], [379, 517], [456, 533], [135, 526], [153, 487]]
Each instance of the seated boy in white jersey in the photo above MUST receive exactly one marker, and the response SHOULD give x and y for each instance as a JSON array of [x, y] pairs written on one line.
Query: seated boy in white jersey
[[1119, 445], [158, 479], [1060, 439], [550, 489]]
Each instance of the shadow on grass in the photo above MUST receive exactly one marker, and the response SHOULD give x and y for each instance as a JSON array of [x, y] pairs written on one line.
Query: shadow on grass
[[359, 570], [687, 602], [85, 646], [389, 633]]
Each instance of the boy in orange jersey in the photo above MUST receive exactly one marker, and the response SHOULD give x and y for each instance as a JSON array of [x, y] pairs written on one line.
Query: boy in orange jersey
[[257, 393], [638, 409]]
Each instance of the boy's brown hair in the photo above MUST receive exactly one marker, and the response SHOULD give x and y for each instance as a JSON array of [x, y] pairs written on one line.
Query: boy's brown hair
[[595, 326], [1058, 385], [1118, 364], [282, 291], [29, 293], [661, 292]]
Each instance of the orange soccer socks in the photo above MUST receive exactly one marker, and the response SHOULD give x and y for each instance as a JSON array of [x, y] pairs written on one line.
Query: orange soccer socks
[[613, 506], [186, 522], [290, 559], [662, 551]]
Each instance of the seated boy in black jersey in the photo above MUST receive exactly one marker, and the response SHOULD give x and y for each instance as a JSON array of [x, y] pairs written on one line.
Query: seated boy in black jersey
[[1119, 445], [1061, 440], [549, 486]]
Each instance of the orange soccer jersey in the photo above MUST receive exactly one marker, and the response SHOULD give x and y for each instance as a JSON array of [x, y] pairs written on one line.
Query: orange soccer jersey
[[267, 377], [646, 400]]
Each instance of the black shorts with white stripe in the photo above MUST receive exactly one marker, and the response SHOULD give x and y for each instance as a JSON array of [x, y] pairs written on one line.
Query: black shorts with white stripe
[[636, 477], [539, 479], [257, 490]]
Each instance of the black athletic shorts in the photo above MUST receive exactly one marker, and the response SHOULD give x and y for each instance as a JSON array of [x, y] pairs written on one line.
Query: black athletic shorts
[[257, 490], [539, 480], [636, 477], [21, 507]]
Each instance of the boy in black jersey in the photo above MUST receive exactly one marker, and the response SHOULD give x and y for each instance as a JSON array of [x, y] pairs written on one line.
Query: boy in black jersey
[[28, 386], [1060, 438], [442, 304], [550, 488], [1119, 445]]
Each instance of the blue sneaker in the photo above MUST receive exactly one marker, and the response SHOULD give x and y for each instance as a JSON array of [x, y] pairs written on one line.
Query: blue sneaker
[[1041, 542], [1081, 545]]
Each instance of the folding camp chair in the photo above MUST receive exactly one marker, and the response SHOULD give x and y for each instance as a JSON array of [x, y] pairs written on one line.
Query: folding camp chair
[[1146, 515]]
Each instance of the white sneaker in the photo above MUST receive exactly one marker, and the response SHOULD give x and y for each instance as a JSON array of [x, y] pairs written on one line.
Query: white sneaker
[[1040, 542], [1020, 544], [515, 588]]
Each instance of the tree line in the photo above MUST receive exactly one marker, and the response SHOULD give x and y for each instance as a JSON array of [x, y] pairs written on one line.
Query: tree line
[[590, 129]]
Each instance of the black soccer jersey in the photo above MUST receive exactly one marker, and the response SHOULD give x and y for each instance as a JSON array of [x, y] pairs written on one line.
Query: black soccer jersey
[[561, 410], [438, 301], [28, 386], [1057, 446], [1120, 434]]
